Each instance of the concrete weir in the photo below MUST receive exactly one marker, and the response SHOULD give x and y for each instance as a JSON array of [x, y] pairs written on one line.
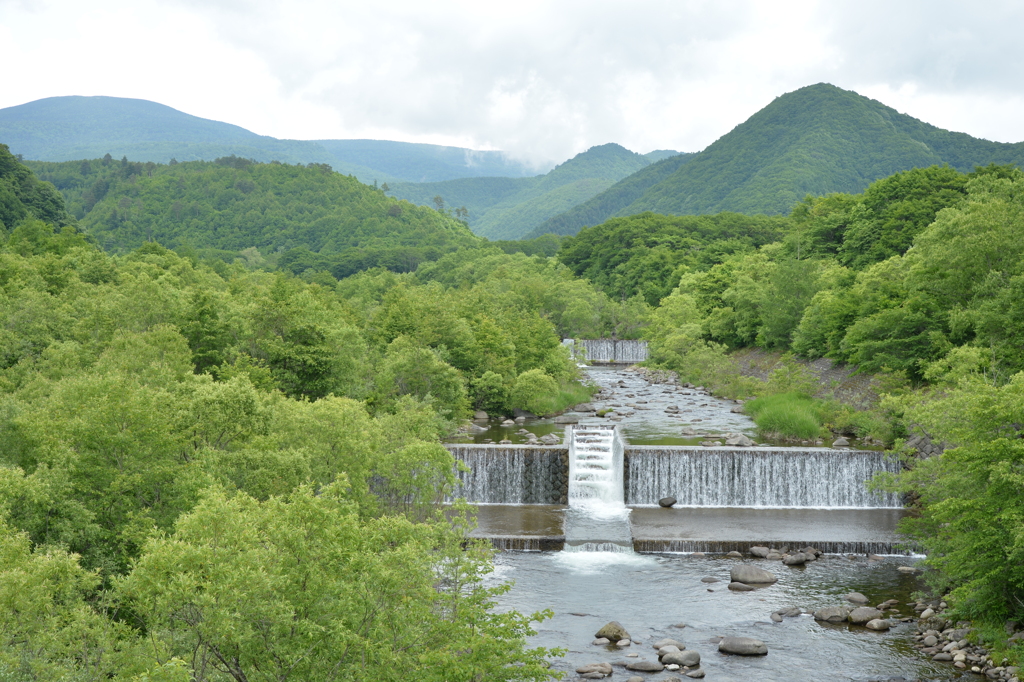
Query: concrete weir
[[728, 498]]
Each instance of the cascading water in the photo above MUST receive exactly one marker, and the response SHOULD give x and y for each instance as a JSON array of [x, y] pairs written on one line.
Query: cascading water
[[597, 519], [776, 477], [509, 474], [611, 350]]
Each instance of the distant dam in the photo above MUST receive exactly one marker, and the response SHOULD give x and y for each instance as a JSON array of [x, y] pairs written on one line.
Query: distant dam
[[610, 351]]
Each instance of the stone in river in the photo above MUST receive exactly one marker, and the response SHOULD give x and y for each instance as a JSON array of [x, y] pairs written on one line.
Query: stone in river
[[480, 414], [566, 419], [734, 555], [601, 641], [667, 501], [879, 624], [635, 678], [669, 642], [856, 598], [645, 666], [776, 618], [751, 575], [741, 587], [840, 442], [623, 642], [743, 646], [668, 649], [759, 551], [863, 614], [709, 579], [688, 658], [605, 668], [832, 614], [696, 674], [613, 631], [740, 441], [508, 422], [927, 613], [798, 559]]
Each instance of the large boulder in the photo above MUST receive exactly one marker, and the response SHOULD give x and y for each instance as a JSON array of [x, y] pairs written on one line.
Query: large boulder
[[798, 559], [605, 668], [688, 658], [751, 575], [613, 632], [862, 614], [832, 614], [743, 646], [761, 552]]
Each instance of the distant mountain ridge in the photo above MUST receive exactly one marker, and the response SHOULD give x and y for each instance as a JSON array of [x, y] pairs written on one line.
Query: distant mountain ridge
[[816, 140], [74, 127], [508, 208]]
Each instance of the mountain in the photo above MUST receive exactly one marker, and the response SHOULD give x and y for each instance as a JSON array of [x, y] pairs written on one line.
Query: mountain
[[508, 208], [69, 128], [598, 209], [815, 140]]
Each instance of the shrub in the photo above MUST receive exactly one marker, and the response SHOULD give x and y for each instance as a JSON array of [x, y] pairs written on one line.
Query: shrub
[[792, 415]]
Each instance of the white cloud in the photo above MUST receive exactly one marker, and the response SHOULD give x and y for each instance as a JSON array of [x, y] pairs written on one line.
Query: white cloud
[[543, 80]]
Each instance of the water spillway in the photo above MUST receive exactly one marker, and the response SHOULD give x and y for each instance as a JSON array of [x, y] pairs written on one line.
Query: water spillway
[[762, 477], [597, 519], [512, 474], [611, 351]]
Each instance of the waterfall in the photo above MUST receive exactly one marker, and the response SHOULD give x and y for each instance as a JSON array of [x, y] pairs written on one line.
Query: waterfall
[[611, 350], [597, 519], [511, 474], [764, 477]]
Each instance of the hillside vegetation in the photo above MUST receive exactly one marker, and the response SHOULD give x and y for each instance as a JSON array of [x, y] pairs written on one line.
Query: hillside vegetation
[[817, 140], [69, 128], [506, 208], [307, 217]]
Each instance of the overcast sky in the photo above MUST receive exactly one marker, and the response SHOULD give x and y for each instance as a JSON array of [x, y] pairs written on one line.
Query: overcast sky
[[542, 80]]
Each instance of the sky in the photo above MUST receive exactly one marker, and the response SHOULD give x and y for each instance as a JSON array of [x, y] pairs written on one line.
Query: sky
[[540, 80]]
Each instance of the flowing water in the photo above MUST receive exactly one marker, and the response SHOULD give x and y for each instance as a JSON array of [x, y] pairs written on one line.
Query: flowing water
[[624, 558], [652, 595]]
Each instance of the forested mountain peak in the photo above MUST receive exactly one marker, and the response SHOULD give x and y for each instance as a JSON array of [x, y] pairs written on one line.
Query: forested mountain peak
[[815, 140]]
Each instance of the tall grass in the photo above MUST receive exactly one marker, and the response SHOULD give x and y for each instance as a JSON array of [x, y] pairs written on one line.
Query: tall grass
[[569, 393], [791, 415]]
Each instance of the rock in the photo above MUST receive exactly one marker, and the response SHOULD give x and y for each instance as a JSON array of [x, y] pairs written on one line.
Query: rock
[[741, 587], [688, 658], [743, 646], [790, 612], [613, 632], [761, 552], [856, 598], [604, 668], [584, 407], [942, 656], [840, 442], [646, 666], [737, 409], [566, 419], [476, 428], [906, 569], [832, 614], [709, 579], [863, 614], [508, 422], [635, 678], [776, 618], [593, 676], [601, 641], [669, 649], [879, 624], [661, 643], [667, 502], [740, 441], [927, 613], [751, 575], [623, 643], [523, 413], [798, 559], [504, 441], [480, 414], [930, 640], [734, 555], [696, 674]]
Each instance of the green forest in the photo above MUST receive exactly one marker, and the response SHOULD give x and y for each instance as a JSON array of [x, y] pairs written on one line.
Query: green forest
[[224, 387]]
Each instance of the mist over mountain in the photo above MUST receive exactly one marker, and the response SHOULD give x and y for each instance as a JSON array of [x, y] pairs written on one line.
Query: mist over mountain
[[73, 127]]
